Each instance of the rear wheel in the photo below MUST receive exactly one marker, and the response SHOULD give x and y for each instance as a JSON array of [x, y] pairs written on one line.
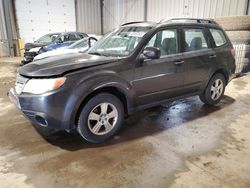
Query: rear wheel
[[100, 118], [214, 90]]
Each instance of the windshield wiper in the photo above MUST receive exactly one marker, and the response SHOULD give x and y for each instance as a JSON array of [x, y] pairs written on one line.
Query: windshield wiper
[[97, 53], [94, 53]]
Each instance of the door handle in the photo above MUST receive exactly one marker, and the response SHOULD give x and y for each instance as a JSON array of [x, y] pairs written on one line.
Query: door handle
[[178, 62], [212, 56]]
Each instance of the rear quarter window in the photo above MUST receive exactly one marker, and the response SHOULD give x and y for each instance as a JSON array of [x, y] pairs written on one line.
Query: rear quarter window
[[218, 36]]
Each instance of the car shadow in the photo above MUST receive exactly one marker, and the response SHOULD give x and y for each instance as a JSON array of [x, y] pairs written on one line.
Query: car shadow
[[141, 124]]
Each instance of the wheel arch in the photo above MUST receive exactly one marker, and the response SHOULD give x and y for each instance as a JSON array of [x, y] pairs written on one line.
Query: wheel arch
[[224, 73], [114, 90]]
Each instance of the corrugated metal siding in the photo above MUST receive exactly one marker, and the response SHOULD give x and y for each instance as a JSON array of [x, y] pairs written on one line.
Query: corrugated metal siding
[[117, 12], [159, 9], [4, 47], [88, 16]]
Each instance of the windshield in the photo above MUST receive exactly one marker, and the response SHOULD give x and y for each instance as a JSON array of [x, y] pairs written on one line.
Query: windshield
[[47, 38], [120, 42]]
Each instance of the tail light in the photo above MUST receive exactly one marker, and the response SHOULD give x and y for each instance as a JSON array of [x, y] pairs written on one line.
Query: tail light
[[233, 52]]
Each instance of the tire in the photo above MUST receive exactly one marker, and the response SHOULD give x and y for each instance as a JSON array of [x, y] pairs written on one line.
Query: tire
[[234, 23], [207, 96], [96, 122], [239, 36]]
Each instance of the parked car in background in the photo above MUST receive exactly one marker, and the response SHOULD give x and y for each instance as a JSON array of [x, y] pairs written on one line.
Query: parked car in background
[[137, 66], [78, 46], [50, 42]]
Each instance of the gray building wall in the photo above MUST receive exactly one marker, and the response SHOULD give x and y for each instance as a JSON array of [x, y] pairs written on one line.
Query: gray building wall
[[4, 46], [88, 16], [158, 9], [117, 12]]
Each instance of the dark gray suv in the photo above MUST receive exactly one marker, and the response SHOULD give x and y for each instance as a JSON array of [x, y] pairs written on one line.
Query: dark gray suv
[[137, 66]]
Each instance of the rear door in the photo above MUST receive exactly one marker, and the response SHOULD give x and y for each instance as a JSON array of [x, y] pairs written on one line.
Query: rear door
[[222, 48], [159, 79], [198, 57]]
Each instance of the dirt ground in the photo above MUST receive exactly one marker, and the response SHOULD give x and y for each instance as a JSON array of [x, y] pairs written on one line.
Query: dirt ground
[[180, 144]]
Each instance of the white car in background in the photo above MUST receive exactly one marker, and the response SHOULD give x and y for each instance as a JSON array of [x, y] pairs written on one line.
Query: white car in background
[[79, 46]]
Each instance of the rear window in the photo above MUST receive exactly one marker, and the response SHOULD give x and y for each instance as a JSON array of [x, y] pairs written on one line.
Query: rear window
[[218, 37]]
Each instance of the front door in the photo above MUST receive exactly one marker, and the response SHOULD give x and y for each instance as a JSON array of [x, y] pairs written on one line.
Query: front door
[[159, 79]]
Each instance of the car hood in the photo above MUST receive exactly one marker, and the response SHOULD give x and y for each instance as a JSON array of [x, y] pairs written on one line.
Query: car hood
[[58, 65], [28, 46], [59, 51]]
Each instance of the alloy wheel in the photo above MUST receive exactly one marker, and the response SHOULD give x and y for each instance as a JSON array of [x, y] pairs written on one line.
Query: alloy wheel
[[216, 89], [102, 118]]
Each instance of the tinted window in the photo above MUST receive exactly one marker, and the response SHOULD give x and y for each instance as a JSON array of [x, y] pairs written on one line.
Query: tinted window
[[166, 41], [218, 37], [194, 40], [62, 38], [82, 35], [74, 36]]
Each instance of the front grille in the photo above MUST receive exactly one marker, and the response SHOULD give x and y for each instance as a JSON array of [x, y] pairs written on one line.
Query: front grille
[[20, 83]]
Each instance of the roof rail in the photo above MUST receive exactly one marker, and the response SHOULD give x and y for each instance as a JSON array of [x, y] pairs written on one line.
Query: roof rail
[[128, 23], [138, 22], [192, 20]]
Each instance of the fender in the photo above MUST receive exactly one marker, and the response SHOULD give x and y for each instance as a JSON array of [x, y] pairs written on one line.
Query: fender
[[220, 69], [92, 83]]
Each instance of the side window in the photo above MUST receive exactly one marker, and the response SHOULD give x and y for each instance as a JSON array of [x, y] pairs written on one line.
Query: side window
[[61, 38], [66, 38], [194, 40], [73, 37], [81, 36], [84, 35], [166, 41], [218, 37]]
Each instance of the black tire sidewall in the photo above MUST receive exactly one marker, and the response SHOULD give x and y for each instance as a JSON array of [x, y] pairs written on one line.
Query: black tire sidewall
[[207, 95], [82, 125]]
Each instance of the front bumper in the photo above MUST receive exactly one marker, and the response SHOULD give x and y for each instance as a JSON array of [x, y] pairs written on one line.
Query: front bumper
[[13, 97], [42, 110]]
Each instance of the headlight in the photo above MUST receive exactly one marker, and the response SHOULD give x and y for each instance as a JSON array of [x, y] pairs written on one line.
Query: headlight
[[39, 86], [36, 49]]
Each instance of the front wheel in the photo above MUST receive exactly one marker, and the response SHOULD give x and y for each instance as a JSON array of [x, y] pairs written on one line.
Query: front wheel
[[214, 90], [100, 118]]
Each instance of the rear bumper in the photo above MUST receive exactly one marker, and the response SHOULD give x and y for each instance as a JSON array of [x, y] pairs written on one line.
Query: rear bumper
[[232, 76]]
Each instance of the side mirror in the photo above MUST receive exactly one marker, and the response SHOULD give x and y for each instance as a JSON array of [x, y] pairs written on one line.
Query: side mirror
[[91, 41], [151, 53]]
